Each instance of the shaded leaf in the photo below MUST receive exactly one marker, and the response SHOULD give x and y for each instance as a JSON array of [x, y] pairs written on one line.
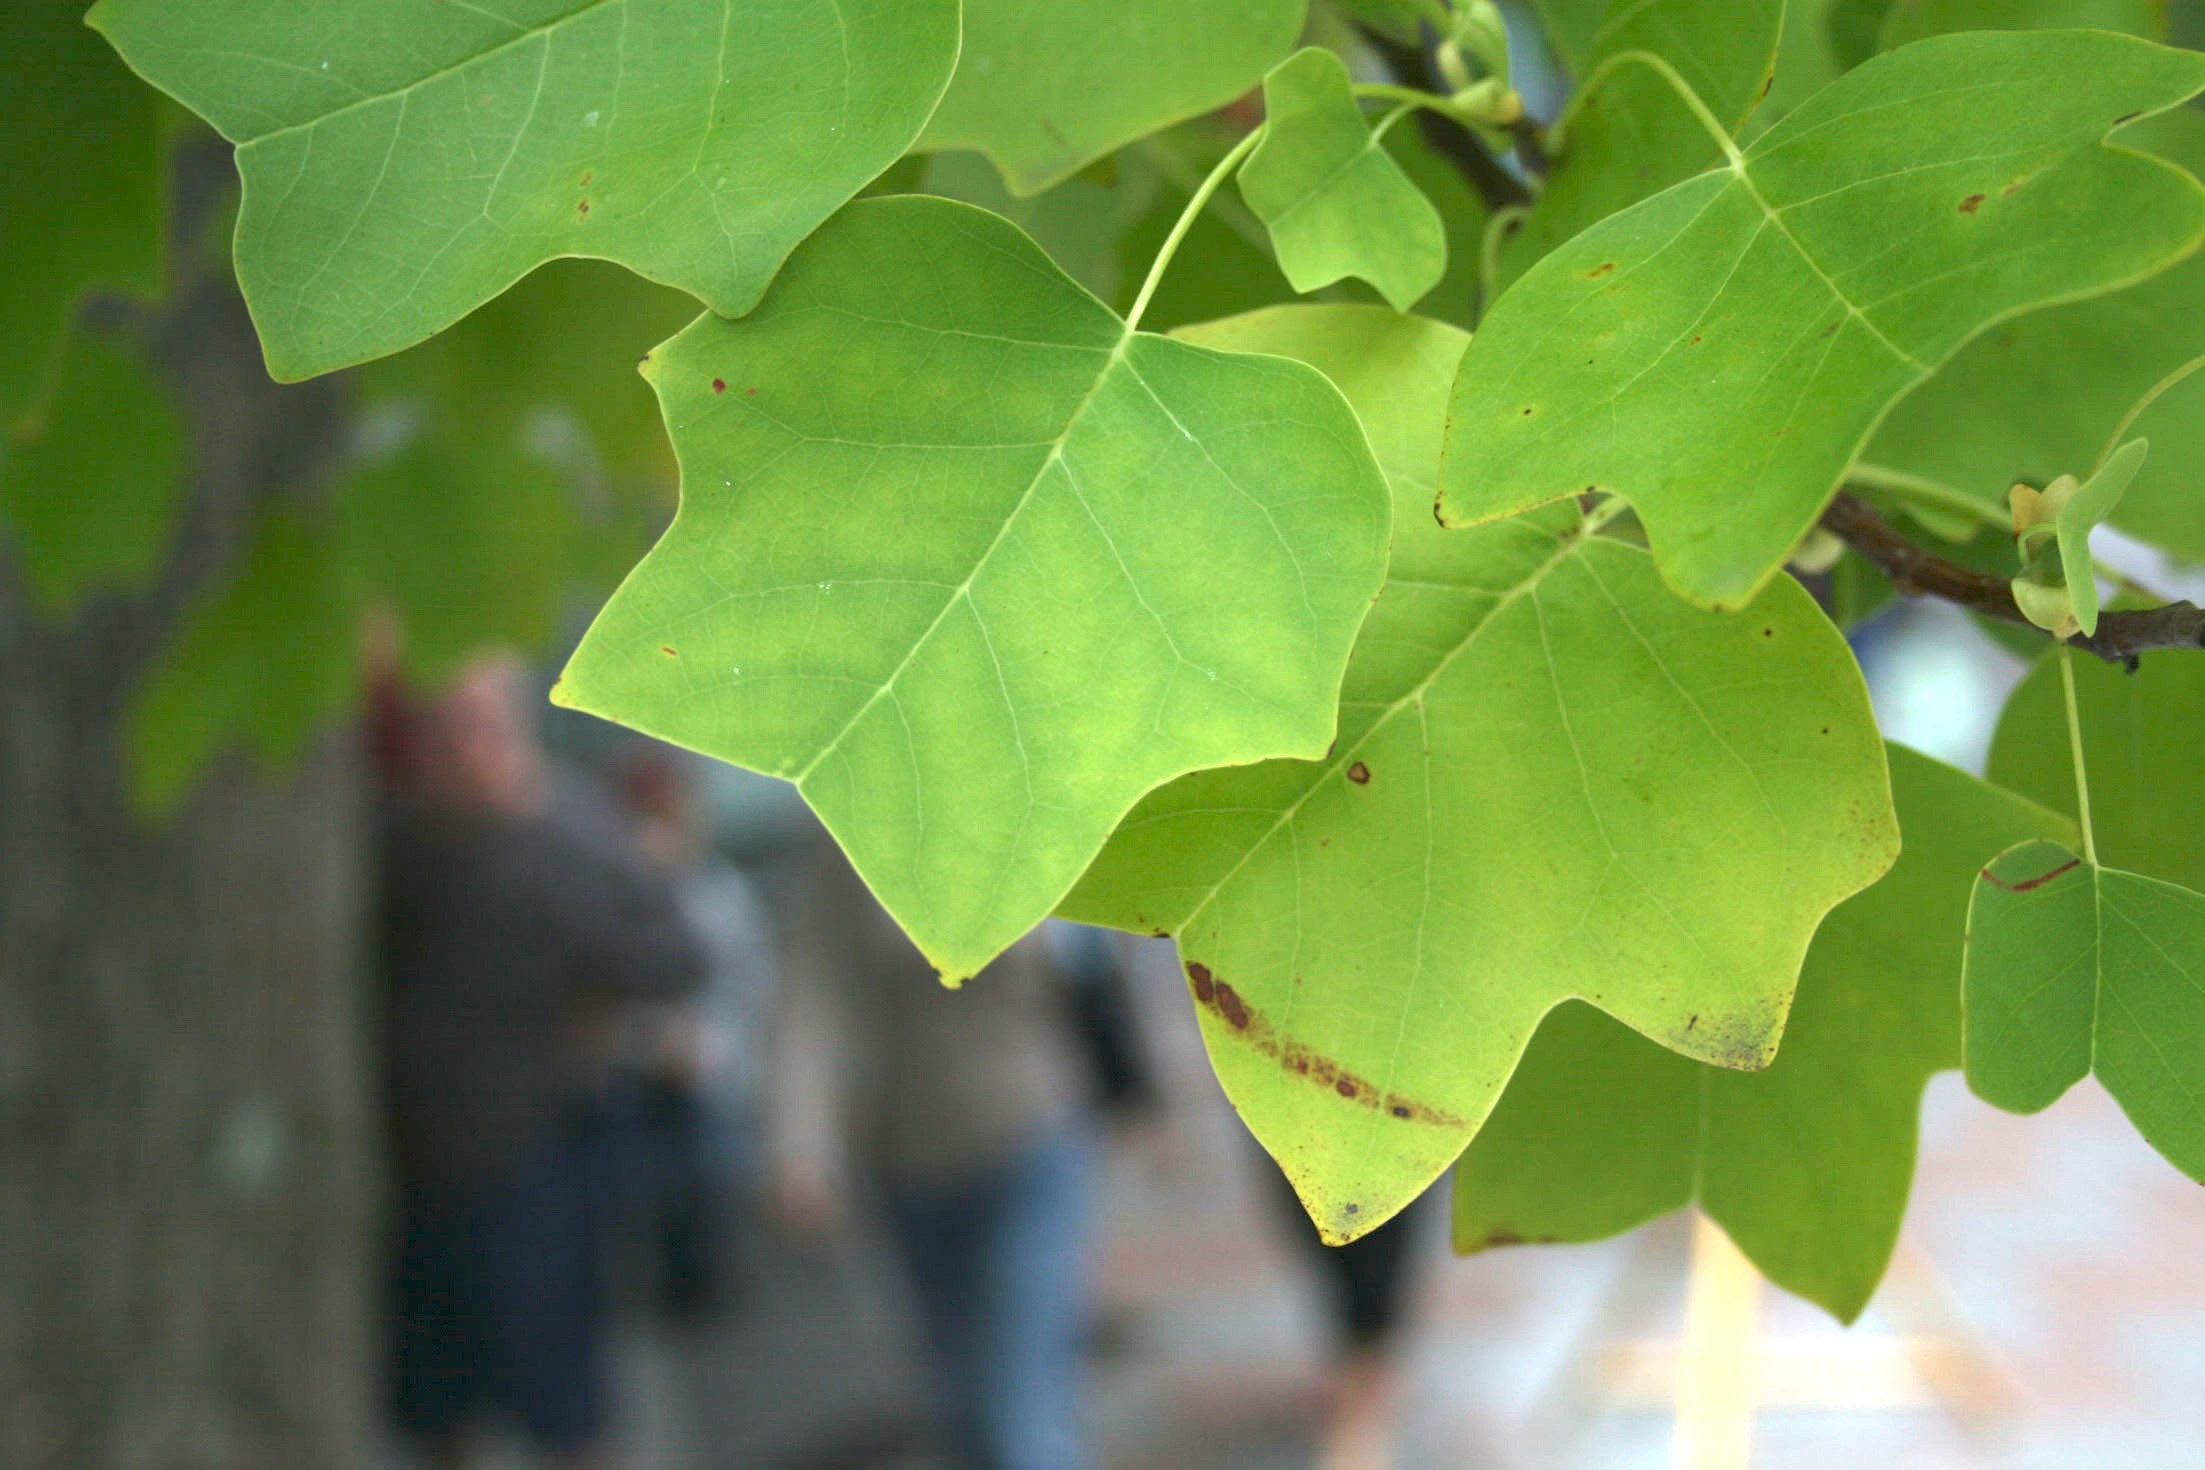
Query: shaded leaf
[[82, 149], [1914, 20], [1335, 201], [2075, 970], [1628, 134], [270, 656], [2140, 735], [88, 484], [1553, 779], [1043, 90], [1719, 353], [406, 160], [933, 564], [1807, 1164]]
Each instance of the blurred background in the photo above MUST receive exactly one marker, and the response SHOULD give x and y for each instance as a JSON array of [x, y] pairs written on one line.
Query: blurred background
[[397, 1071]]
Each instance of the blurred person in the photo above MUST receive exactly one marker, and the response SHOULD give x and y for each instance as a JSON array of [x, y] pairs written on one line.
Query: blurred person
[[1364, 1285], [517, 934], [699, 1076], [969, 1111]]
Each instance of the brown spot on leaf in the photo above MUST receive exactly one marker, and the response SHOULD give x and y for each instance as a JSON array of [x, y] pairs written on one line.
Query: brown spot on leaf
[[719, 385], [1359, 774], [583, 207], [1205, 990], [1599, 270], [2028, 883], [1697, 339], [587, 175], [1971, 204], [1231, 1006], [1345, 1086], [668, 650]]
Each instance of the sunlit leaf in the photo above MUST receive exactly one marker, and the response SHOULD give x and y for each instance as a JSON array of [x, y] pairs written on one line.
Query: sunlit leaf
[[1719, 353], [81, 143], [1335, 201], [406, 160], [2076, 970], [976, 567], [1914, 20], [88, 483], [1807, 1164], [2036, 397], [1044, 89], [1553, 778]]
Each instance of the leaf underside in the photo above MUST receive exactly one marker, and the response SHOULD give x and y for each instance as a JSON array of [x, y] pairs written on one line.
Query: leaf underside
[[935, 563], [406, 160]]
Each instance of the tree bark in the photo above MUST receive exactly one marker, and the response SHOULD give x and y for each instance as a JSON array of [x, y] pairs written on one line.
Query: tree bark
[[188, 1142]]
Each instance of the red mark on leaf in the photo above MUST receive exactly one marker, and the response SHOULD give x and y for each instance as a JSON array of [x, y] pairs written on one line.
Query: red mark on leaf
[[2028, 883], [1205, 991], [719, 385]]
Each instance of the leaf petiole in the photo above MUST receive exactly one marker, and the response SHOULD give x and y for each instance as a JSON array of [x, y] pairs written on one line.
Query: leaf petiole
[[1195, 202], [2075, 754]]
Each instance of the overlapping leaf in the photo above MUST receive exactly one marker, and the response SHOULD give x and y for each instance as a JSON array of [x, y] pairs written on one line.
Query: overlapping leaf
[[2036, 397], [1628, 133], [1553, 779], [1807, 1164], [406, 160], [2077, 970], [1335, 201], [81, 140], [1044, 89], [1718, 353], [976, 567]]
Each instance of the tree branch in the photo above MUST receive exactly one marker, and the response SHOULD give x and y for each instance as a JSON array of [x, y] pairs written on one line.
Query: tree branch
[[2121, 635]]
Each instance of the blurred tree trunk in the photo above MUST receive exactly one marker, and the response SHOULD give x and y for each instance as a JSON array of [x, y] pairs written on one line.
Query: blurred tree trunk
[[188, 1146]]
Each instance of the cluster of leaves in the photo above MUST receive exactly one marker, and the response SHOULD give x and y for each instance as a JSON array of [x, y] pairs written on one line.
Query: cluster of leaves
[[1446, 696]]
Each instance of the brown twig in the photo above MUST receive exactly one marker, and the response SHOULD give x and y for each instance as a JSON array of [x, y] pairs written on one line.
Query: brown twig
[[2121, 637]]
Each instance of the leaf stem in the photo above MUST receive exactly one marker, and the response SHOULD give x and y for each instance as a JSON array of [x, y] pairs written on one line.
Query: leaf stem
[[2075, 752], [1924, 491], [2136, 410], [1195, 202], [1684, 90]]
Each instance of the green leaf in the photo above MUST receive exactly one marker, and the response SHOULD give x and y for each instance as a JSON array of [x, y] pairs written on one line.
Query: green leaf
[[1628, 134], [88, 484], [1719, 353], [1553, 779], [1045, 89], [1335, 201], [406, 160], [2075, 970], [2036, 397], [270, 655], [82, 147], [2140, 735], [975, 566], [1807, 1164], [1915, 20]]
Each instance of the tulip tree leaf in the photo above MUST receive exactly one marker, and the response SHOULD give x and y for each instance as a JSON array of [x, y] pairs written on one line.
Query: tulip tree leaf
[[2140, 737], [1044, 90], [1719, 353], [1628, 133], [1807, 1164], [2036, 397], [269, 655], [1553, 778], [88, 484], [2077, 970], [1335, 201], [933, 563], [75, 121], [1914, 20], [406, 160]]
